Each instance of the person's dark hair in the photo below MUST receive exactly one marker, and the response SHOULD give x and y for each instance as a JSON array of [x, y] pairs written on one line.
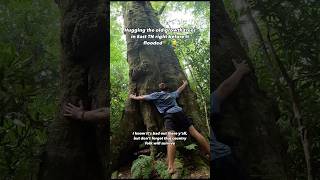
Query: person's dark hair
[[163, 86]]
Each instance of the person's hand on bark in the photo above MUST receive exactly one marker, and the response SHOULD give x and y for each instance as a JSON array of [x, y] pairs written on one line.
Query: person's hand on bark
[[73, 111], [132, 96], [185, 82], [241, 67]]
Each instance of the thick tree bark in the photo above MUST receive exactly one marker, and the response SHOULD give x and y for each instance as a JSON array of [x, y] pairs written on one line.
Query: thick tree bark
[[253, 36], [249, 116], [246, 27], [78, 150], [149, 65]]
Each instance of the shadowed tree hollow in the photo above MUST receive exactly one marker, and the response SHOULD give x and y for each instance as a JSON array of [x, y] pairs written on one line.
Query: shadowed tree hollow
[[75, 149], [148, 66], [249, 117]]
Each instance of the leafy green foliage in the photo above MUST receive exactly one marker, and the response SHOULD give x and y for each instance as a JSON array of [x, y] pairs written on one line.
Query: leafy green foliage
[[162, 170], [191, 147], [119, 69], [293, 28], [194, 57], [294, 32], [142, 167], [29, 37], [180, 167], [194, 52]]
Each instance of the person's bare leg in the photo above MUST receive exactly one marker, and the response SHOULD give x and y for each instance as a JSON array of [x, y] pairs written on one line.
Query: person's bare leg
[[200, 139], [171, 152]]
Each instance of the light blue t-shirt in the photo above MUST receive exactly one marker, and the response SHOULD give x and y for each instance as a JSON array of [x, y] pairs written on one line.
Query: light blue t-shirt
[[217, 148], [165, 101]]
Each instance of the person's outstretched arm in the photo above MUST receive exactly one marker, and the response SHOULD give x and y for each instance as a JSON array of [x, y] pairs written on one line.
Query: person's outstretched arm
[[75, 112], [228, 85], [183, 86], [134, 97]]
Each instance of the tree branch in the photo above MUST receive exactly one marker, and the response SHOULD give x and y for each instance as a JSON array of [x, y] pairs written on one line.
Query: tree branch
[[162, 8]]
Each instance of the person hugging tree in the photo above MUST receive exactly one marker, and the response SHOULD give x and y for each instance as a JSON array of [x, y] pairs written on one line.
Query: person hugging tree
[[175, 120]]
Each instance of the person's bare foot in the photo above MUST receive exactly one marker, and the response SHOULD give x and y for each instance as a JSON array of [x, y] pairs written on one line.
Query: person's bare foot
[[171, 170]]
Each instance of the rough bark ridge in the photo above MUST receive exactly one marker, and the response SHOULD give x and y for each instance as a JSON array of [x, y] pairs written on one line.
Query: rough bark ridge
[[149, 65], [78, 150], [249, 121]]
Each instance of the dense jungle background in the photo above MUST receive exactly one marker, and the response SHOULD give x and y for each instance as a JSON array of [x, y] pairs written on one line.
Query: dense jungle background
[[281, 38]]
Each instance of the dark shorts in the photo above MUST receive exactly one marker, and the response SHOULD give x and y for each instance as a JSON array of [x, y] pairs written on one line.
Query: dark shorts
[[177, 121]]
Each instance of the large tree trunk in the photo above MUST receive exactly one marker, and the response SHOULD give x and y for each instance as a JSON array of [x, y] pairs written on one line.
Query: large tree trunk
[[249, 116], [78, 150], [149, 65], [246, 27]]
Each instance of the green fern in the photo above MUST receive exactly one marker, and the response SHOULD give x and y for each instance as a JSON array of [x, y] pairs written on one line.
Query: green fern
[[142, 167], [191, 147], [161, 169]]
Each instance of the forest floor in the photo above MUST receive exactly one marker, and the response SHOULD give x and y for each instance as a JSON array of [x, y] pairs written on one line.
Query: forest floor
[[193, 168], [194, 173]]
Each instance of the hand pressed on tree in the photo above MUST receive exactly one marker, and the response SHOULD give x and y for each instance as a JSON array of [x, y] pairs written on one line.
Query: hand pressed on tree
[[242, 67], [228, 85], [131, 96], [183, 86], [96, 115], [74, 111], [185, 82]]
